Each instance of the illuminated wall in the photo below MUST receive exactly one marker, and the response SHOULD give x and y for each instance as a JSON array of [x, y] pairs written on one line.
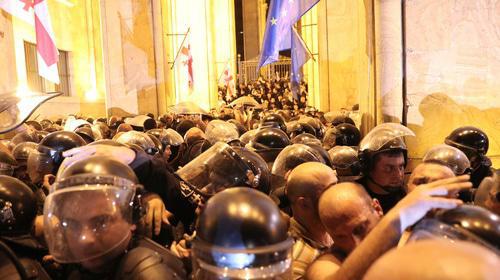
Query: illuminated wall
[[212, 41], [345, 55], [453, 59], [67, 21]]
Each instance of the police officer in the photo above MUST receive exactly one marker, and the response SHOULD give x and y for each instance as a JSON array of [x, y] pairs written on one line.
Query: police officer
[[241, 235], [383, 157], [474, 143], [96, 239], [17, 218]]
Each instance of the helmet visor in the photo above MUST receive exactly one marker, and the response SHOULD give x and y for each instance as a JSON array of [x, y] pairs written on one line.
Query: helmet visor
[[270, 262], [292, 156], [216, 169], [450, 156], [383, 134], [15, 110], [78, 231], [40, 163]]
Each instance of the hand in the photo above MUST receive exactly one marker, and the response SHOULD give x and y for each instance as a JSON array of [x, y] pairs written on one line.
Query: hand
[[123, 154], [156, 215], [426, 197], [180, 249], [48, 180]]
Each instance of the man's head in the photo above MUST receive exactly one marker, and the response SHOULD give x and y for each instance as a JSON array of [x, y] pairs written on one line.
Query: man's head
[[428, 172], [304, 186], [387, 170], [348, 213], [436, 259]]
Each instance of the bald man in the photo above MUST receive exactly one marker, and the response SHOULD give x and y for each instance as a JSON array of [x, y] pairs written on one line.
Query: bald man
[[437, 259], [427, 172], [304, 186], [348, 213], [363, 236]]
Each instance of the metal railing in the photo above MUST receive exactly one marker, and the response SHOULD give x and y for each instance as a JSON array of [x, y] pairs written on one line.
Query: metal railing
[[247, 70]]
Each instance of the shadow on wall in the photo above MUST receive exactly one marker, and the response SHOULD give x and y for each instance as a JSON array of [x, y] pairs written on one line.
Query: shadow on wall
[[441, 115]]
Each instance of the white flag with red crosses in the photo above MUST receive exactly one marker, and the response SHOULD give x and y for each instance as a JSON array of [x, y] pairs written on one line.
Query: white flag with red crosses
[[36, 12]]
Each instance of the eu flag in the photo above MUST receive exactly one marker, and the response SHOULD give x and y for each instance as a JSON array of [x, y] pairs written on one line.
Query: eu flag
[[283, 14]]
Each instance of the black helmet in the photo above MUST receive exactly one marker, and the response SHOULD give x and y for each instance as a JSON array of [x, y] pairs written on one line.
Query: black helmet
[[183, 126], [96, 182], [342, 119], [48, 157], [466, 222], [273, 120], [268, 143], [468, 139], [292, 156], [17, 206], [342, 135], [258, 165], [86, 133], [25, 136], [296, 128], [322, 152], [34, 124], [7, 163], [315, 123], [140, 139], [448, 156], [22, 150], [305, 138], [241, 235], [345, 161]]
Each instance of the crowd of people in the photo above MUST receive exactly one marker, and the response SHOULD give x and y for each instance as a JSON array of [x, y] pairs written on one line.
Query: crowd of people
[[278, 195], [273, 94]]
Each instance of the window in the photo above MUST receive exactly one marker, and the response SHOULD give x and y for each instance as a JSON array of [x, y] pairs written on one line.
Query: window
[[38, 83]]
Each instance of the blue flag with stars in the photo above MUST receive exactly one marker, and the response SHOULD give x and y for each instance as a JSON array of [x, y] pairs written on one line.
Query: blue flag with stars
[[283, 14]]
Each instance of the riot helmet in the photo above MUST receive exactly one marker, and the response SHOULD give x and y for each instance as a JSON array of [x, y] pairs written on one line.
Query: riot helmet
[[87, 233], [216, 169], [86, 133], [34, 124], [246, 137], [274, 121], [17, 206], [466, 222], [315, 123], [292, 156], [342, 135], [21, 153], [449, 156], [140, 139], [242, 235], [342, 119], [25, 136], [295, 128], [345, 161], [268, 143], [305, 138], [48, 156], [258, 165], [169, 138], [7, 163], [468, 139], [222, 131]]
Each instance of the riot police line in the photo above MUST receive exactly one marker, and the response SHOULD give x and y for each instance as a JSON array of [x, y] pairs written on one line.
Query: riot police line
[[215, 196]]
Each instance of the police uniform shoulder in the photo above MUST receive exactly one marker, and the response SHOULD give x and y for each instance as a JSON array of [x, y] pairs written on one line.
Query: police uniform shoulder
[[150, 262]]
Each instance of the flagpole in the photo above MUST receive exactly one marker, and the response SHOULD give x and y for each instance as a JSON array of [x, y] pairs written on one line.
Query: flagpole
[[222, 73], [180, 48], [309, 51]]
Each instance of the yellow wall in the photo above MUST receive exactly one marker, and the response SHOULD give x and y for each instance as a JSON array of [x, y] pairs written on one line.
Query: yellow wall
[[344, 44], [72, 32]]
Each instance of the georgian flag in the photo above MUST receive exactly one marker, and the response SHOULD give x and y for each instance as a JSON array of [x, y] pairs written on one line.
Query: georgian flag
[[21, 9], [36, 12]]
